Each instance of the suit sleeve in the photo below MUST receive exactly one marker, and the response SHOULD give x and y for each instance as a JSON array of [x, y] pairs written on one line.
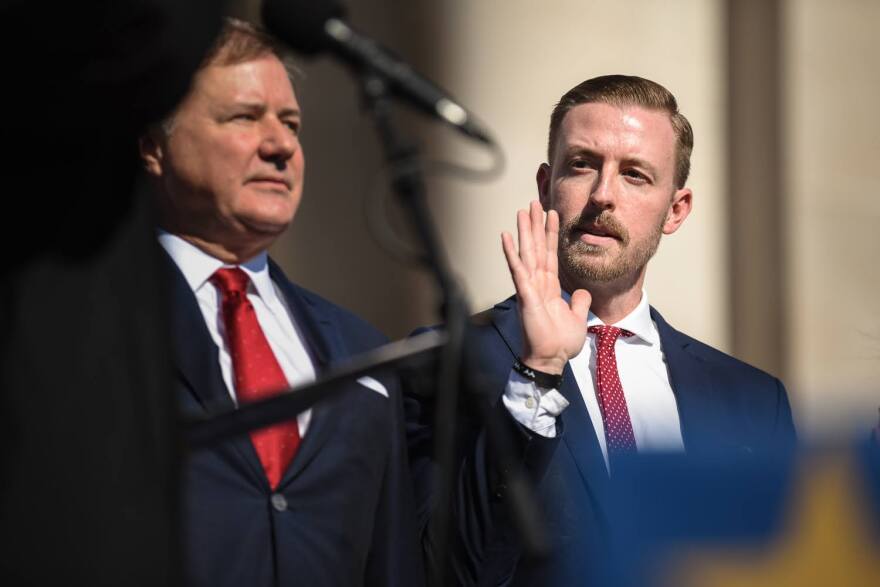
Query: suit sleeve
[[395, 557], [492, 447]]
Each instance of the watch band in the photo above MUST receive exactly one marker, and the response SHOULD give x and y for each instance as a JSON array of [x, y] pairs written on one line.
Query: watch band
[[541, 379]]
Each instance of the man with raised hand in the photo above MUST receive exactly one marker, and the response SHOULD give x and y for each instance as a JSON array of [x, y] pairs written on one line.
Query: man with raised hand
[[584, 366]]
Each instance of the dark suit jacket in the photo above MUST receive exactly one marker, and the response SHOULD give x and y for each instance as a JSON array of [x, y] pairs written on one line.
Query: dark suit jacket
[[725, 406], [343, 512]]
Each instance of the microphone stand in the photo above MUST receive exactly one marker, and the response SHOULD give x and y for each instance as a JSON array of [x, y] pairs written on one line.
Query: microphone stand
[[409, 187], [204, 432]]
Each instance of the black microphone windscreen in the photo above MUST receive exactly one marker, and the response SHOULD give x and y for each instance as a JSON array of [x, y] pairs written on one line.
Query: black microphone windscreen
[[300, 23]]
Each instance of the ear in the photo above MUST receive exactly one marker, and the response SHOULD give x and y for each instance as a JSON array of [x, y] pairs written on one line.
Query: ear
[[679, 209], [543, 180], [152, 151]]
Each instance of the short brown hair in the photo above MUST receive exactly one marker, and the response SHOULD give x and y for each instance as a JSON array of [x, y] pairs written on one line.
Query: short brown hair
[[237, 42], [240, 41], [629, 90]]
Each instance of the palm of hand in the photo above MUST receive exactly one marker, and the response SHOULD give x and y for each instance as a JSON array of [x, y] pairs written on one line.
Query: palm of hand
[[554, 331]]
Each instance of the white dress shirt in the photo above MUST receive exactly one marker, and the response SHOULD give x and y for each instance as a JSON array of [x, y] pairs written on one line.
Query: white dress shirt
[[274, 316], [643, 375], [534, 407]]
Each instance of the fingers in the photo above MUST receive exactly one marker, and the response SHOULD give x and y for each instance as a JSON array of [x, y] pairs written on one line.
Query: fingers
[[518, 272], [537, 238], [580, 303], [513, 262], [552, 246], [526, 242], [536, 216]]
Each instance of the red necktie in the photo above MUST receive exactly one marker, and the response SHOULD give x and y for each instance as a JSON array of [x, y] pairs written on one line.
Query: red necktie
[[256, 371], [618, 427]]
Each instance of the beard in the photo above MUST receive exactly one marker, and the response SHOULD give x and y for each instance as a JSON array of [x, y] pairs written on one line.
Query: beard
[[591, 264]]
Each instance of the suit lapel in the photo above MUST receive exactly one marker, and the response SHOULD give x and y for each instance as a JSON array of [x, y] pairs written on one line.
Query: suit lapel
[[700, 408], [323, 341], [579, 436], [197, 364], [195, 354]]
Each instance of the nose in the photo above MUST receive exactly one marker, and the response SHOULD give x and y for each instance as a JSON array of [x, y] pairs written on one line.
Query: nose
[[603, 194], [279, 142]]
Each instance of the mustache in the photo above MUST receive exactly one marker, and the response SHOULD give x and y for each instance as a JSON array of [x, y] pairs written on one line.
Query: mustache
[[592, 219]]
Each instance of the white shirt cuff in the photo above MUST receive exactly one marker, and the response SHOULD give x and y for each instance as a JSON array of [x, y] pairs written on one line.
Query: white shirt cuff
[[534, 407]]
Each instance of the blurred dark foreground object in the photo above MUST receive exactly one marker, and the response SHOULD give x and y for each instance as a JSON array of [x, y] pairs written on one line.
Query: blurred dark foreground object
[[88, 449]]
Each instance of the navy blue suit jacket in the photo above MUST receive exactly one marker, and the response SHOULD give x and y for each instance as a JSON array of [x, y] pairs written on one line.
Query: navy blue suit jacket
[[725, 406], [343, 513]]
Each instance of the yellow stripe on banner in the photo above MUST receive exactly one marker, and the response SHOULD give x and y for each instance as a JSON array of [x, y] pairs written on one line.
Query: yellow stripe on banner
[[825, 541]]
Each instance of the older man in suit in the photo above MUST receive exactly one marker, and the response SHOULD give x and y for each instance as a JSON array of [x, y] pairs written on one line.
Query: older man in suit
[[321, 500], [582, 365]]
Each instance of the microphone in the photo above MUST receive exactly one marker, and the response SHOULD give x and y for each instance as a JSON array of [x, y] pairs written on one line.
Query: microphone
[[312, 27]]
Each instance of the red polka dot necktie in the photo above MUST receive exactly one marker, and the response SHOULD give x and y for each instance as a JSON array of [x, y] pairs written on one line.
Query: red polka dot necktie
[[256, 371], [618, 427]]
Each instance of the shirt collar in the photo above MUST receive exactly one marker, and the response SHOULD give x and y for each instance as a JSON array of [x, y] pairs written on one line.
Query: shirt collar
[[198, 266], [638, 321]]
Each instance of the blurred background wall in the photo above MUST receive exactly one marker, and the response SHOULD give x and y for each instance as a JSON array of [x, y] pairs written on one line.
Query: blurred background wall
[[775, 264], [832, 149]]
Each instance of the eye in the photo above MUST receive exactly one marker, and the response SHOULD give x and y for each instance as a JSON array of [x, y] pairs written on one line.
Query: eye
[[580, 164], [293, 125], [635, 176], [243, 116]]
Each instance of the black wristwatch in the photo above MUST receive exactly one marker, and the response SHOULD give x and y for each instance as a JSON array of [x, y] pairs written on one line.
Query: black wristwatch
[[541, 379]]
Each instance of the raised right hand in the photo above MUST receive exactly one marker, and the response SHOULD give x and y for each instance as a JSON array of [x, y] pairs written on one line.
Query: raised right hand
[[553, 330]]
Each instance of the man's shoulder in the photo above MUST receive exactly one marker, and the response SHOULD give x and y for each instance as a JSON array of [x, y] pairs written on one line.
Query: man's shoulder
[[486, 318], [500, 312], [324, 306], [712, 357], [731, 401], [503, 316], [320, 307], [496, 334]]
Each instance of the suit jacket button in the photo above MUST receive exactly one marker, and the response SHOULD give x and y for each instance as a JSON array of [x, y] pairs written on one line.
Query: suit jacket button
[[279, 502]]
